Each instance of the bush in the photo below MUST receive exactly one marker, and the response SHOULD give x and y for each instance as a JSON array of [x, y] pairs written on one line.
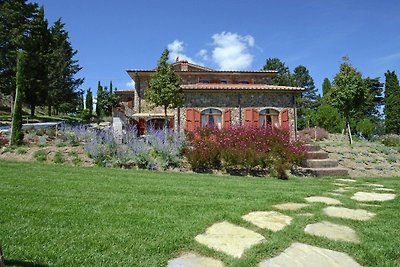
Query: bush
[[244, 148], [329, 118], [40, 155], [3, 140], [58, 158], [366, 127], [75, 158], [391, 140], [313, 134]]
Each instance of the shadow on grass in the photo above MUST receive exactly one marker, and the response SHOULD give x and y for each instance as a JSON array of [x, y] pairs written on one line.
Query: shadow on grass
[[20, 263]]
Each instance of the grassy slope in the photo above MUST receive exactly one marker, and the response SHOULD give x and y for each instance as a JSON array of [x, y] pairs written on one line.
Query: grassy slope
[[68, 216]]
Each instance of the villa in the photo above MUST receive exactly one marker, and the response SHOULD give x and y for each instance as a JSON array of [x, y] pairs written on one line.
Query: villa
[[213, 98]]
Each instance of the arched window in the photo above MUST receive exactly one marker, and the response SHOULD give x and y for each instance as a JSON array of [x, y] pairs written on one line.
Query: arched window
[[211, 117], [269, 117]]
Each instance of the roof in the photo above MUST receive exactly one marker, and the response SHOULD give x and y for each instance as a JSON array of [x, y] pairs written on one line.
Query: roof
[[266, 87], [123, 92]]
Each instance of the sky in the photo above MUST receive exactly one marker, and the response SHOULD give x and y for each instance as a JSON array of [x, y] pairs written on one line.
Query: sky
[[113, 36]]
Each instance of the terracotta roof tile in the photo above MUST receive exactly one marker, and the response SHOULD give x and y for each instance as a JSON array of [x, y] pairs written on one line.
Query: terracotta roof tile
[[240, 87]]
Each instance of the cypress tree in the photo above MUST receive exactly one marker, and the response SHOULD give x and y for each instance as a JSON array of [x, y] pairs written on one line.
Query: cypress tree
[[111, 88], [16, 131], [392, 103], [326, 86], [89, 101], [99, 100]]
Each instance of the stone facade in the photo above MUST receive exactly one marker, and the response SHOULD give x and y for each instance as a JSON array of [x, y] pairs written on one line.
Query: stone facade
[[222, 90]]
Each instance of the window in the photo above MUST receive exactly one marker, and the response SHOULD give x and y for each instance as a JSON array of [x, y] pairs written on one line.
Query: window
[[211, 117], [269, 117]]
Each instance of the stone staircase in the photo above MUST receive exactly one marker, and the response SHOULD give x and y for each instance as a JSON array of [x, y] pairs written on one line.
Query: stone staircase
[[317, 163]]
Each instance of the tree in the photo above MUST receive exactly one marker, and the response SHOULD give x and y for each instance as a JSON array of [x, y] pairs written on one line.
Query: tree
[[164, 87], [63, 93], [392, 103], [374, 98], [99, 100], [308, 100], [283, 76], [16, 129], [326, 87], [15, 16], [89, 101], [327, 117], [348, 93], [37, 46]]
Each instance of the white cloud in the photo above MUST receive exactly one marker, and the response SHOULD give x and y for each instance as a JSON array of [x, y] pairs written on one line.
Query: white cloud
[[177, 49], [231, 50], [130, 84], [203, 53]]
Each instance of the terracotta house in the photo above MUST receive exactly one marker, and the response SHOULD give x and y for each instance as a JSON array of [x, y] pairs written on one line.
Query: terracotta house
[[214, 98]]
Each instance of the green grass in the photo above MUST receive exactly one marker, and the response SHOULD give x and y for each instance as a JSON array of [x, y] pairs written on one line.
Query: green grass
[[54, 215]]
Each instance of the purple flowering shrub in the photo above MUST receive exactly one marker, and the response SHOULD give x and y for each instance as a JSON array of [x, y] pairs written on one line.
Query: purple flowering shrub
[[313, 134], [244, 148]]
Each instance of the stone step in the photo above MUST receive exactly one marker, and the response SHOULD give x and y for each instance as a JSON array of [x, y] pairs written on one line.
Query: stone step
[[317, 155], [320, 163], [336, 171], [312, 147]]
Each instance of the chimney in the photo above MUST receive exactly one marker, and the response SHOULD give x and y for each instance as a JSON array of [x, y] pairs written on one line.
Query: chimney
[[184, 65]]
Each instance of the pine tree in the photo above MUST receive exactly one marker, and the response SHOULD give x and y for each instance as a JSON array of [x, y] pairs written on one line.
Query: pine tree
[[392, 103], [283, 77], [164, 87], [111, 88], [15, 16], [89, 101], [326, 87], [16, 129], [36, 61], [63, 93]]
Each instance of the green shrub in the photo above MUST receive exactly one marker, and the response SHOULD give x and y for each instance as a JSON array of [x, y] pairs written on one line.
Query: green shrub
[[75, 158], [329, 118], [22, 150], [391, 140], [40, 155], [58, 158], [366, 127]]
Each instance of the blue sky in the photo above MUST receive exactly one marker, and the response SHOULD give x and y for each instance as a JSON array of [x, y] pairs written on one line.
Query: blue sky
[[113, 36]]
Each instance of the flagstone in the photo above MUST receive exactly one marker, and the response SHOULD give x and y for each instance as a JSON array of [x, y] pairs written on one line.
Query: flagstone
[[384, 189], [307, 214], [291, 206], [368, 205], [334, 194], [326, 200], [366, 196], [340, 190], [229, 238], [373, 185], [346, 180], [332, 231], [271, 220], [193, 260], [303, 255], [339, 184], [345, 213]]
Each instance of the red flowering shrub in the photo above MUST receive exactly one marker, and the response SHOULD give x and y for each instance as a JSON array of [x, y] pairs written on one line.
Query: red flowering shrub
[[244, 148], [3, 140]]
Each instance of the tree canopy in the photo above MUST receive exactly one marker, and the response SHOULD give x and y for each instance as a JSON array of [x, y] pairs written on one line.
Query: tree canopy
[[164, 86], [392, 103]]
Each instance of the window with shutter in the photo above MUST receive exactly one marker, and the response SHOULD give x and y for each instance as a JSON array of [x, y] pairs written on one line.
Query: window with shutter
[[227, 119], [285, 119]]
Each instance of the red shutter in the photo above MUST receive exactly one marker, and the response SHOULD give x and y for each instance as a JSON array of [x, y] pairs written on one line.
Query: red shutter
[[248, 116], [227, 119], [285, 119], [192, 119], [256, 118], [142, 126], [171, 123]]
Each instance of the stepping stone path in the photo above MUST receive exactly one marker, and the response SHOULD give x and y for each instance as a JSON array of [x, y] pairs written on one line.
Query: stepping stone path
[[367, 197], [271, 220], [290, 206], [345, 213], [229, 238], [346, 180], [234, 240], [340, 190], [303, 255], [334, 194], [326, 200], [193, 260], [332, 231]]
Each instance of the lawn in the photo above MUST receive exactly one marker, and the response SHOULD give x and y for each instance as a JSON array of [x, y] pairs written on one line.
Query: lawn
[[52, 215]]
